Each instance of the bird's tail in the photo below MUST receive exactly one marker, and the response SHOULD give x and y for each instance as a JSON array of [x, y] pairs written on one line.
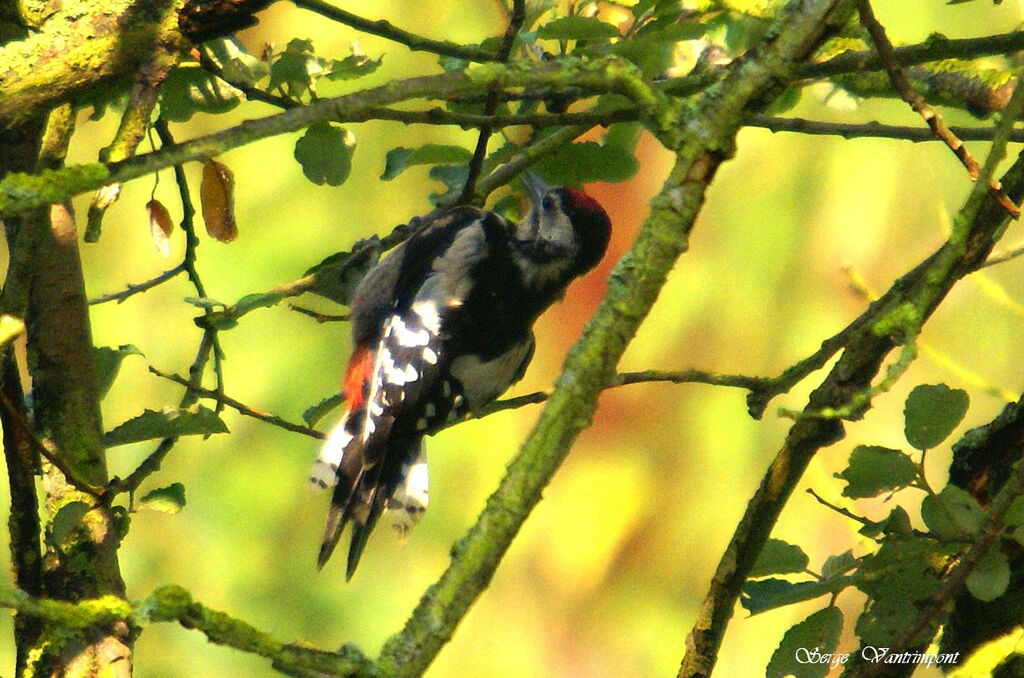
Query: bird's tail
[[396, 486]]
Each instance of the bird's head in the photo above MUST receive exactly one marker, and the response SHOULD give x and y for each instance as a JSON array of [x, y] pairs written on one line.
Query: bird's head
[[563, 235]]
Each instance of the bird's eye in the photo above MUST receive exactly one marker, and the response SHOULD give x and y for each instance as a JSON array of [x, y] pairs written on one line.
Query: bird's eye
[[547, 203]]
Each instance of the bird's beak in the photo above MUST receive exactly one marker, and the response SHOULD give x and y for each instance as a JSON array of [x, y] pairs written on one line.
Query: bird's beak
[[536, 187]]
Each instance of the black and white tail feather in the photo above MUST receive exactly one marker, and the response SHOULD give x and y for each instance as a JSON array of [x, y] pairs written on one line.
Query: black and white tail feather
[[442, 327]]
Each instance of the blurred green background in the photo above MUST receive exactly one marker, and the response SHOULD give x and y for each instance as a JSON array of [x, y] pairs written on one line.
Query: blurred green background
[[605, 578]]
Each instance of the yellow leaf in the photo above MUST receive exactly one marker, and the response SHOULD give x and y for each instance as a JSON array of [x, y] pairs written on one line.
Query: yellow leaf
[[217, 196], [160, 226]]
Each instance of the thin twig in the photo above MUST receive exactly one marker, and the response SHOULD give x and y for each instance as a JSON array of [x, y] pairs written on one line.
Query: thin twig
[[871, 129], [251, 93], [46, 449], [318, 316], [209, 345], [188, 261], [646, 376], [385, 29], [902, 85], [1003, 257], [151, 464], [137, 288], [238, 406], [839, 509], [476, 163]]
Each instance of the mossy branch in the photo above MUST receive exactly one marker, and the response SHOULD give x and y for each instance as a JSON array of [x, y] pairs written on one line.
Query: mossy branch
[[20, 192], [99, 41], [175, 604], [951, 84]]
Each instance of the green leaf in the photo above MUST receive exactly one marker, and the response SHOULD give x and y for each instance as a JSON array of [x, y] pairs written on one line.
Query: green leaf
[[170, 499], [952, 514], [452, 176], [108, 363], [786, 101], [642, 6], [873, 470], [838, 564], [901, 575], [767, 594], [587, 161], [338, 276], [990, 577], [67, 519], [314, 413], [189, 88], [296, 69], [170, 422], [325, 153], [671, 29], [1014, 516], [898, 523], [231, 57], [806, 650], [10, 328], [577, 28], [652, 57], [351, 67], [932, 412], [906, 569], [779, 557], [398, 159]]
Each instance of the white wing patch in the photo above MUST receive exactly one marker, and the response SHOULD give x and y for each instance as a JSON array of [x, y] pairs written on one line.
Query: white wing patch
[[324, 473], [427, 311], [410, 500], [405, 336]]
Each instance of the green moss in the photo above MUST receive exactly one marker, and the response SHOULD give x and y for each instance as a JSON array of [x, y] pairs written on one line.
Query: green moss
[[167, 603], [903, 319], [20, 191]]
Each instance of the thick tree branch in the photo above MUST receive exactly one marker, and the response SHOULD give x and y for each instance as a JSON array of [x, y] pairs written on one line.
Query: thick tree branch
[[100, 40], [23, 525], [175, 604], [935, 48], [19, 192], [84, 563]]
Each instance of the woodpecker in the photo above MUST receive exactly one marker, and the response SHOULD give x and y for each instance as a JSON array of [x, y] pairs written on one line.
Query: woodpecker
[[441, 327]]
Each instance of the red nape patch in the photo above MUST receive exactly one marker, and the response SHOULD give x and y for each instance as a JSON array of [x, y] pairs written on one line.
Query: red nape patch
[[359, 367], [583, 202]]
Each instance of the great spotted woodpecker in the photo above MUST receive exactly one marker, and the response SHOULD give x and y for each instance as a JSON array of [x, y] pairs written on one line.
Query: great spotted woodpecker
[[441, 327]]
